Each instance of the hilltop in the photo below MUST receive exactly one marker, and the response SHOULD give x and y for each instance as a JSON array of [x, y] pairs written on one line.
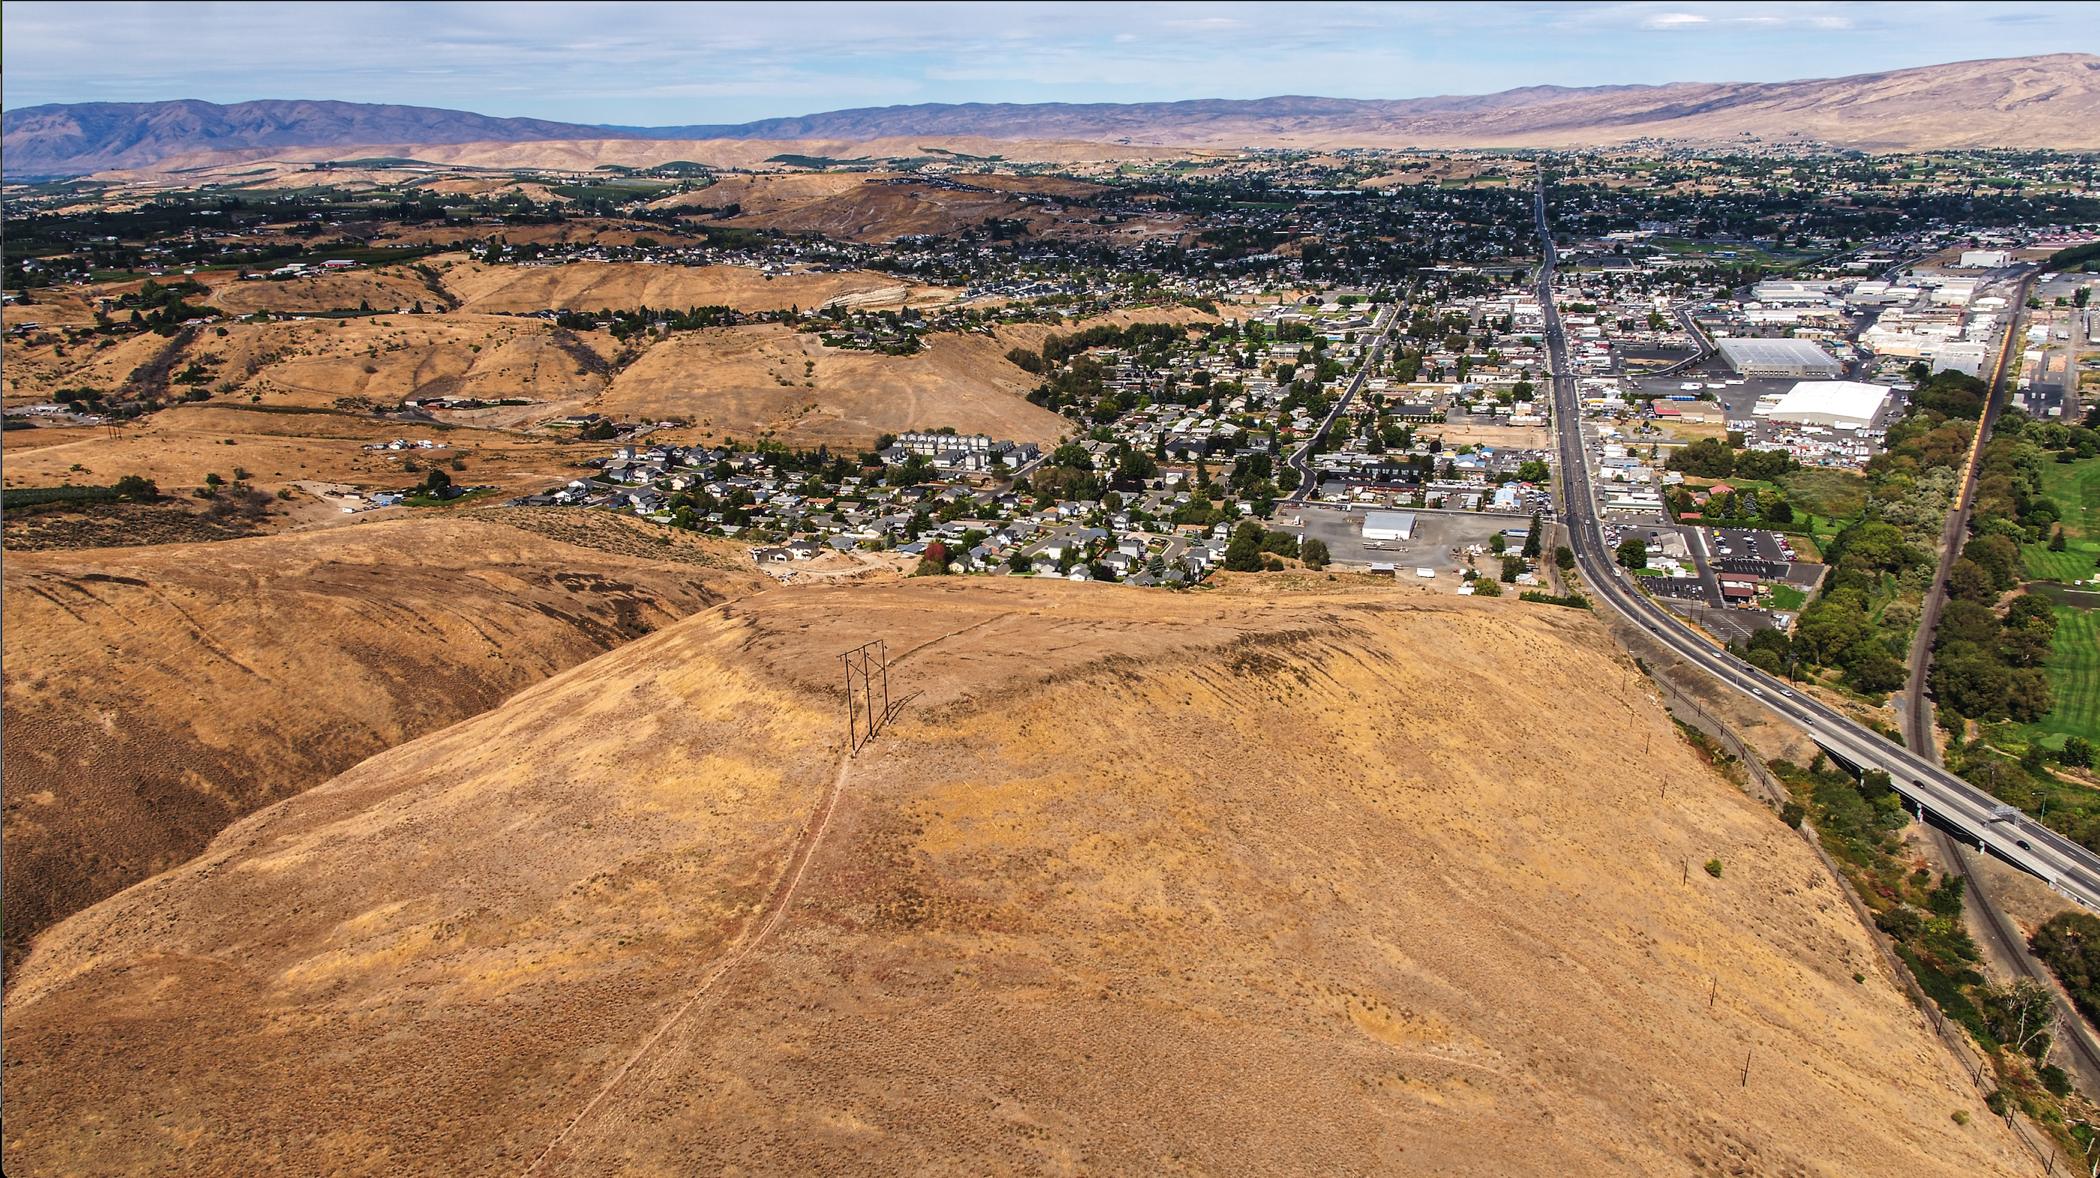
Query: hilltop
[[1338, 882], [156, 694], [2049, 101]]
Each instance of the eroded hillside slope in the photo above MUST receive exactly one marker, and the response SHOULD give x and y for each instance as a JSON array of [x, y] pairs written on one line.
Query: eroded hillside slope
[[1134, 883], [154, 695]]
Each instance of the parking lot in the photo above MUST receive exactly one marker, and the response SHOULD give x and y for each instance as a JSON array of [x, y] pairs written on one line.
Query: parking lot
[[1436, 535], [1743, 544]]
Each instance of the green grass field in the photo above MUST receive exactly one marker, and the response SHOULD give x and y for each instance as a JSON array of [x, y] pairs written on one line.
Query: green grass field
[[1824, 492], [2076, 488], [2074, 673]]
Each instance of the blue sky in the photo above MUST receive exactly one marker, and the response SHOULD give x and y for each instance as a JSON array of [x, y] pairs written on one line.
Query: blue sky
[[662, 64]]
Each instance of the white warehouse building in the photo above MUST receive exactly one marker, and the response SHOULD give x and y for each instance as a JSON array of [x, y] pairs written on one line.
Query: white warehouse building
[[1840, 404], [1389, 525], [1985, 259], [1777, 357]]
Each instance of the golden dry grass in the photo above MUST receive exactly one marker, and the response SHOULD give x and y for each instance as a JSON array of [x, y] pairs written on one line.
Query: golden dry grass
[[593, 286], [1134, 883], [178, 447], [747, 381], [154, 695], [763, 379]]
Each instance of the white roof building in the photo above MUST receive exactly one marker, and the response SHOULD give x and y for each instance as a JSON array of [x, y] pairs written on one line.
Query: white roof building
[[1389, 525], [1842, 404], [1777, 357]]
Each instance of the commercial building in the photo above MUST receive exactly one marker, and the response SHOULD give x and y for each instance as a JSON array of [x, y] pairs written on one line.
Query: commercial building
[[1985, 259], [1777, 358], [1389, 525], [1840, 404], [1966, 356]]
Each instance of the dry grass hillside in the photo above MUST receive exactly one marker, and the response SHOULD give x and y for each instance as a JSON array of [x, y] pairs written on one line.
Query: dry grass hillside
[[179, 447], [390, 288], [362, 362], [583, 156], [768, 378], [154, 695], [593, 286], [866, 207], [1134, 883]]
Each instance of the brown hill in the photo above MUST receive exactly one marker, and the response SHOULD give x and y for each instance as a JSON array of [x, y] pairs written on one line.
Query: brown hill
[[153, 695], [358, 363], [594, 286], [2047, 101], [69, 137], [768, 378], [871, 207], [1133, 883]]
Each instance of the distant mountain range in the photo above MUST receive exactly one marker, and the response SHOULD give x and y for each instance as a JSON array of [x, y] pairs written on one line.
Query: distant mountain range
[[2051, 101]]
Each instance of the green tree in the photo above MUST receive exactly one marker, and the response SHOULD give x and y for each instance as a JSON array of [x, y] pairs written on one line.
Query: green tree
[[1633, 552], [1564, 558], [2077, 752], [1243, 554], [1314, 553], [1534, 539]]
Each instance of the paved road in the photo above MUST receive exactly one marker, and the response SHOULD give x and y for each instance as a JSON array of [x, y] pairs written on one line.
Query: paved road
[[1701, 341], [1300, 459], [2069, 868]]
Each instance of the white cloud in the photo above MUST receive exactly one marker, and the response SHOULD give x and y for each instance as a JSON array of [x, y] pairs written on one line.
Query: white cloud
[[1674, 20]]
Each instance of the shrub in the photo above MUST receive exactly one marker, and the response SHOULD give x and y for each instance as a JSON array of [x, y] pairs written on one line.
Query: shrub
[[1713, 868], [136, 487]]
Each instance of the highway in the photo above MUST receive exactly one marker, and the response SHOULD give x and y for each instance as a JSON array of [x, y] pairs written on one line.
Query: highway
[[1980, 819], [1300, 459]]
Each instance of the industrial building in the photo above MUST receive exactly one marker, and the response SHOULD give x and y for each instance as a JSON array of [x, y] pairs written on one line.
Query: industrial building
[[1777, 358], [1389, 525], [1840, 404], [1985, 259], [1965, 356]]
